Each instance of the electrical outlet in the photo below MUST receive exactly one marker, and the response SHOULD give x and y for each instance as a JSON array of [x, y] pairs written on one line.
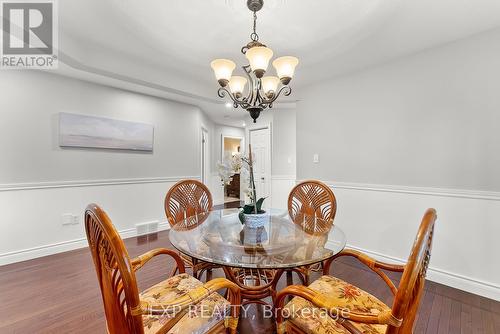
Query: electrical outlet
[[316, 158], [67, 219], [75, 219], [70, 219]]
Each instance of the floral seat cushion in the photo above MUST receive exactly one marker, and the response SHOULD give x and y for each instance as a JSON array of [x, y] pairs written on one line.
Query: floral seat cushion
[[199, 318], [342, 294]]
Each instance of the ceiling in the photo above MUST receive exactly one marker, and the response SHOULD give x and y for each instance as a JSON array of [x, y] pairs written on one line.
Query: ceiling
[[164, 48]]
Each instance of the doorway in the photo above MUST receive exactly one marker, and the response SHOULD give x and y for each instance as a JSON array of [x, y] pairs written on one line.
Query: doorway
[[232, 146]]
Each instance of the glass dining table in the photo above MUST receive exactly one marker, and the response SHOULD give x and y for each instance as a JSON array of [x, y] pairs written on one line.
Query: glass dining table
[[255, 258]]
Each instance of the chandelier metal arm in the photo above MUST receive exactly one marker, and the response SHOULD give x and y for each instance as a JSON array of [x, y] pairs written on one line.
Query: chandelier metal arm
[[223, 92], [285, 90], [255, 96]]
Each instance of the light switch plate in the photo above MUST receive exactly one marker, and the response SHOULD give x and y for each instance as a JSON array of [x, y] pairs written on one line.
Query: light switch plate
[[316, 158]]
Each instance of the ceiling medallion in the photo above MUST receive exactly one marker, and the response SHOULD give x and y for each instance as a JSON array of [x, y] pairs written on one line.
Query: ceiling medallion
[[262, 90]]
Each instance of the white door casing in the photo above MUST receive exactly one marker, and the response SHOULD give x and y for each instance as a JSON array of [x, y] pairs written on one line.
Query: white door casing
[[204, 156], [260, 139]]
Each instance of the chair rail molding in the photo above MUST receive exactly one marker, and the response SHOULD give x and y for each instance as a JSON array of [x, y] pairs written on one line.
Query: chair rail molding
[[91, 183], [430, 191]]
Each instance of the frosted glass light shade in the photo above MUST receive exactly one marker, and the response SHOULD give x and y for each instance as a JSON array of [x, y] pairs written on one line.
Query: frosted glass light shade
[[223, 69], [270, 85], [285, 68], [237, 85], [259, 57]]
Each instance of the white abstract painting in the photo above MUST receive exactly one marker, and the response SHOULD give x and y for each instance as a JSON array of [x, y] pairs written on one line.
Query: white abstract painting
[[99, 132]]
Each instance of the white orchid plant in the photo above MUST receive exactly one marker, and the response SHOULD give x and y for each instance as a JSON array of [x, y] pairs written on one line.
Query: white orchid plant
[[239, 163]]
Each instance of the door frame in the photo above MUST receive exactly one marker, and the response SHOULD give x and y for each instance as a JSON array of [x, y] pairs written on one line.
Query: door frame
[[204, 156], [261, 126]]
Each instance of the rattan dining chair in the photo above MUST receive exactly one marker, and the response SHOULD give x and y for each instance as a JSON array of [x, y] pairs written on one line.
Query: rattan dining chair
[[336, 307], [309, 200], [188, 198], [180, 304]]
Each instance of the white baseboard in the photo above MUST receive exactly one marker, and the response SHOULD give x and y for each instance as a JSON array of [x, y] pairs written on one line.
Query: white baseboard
[[485, 289], [64, 246]]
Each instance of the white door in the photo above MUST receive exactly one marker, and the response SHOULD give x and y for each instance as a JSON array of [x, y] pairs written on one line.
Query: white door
[[260, 139]]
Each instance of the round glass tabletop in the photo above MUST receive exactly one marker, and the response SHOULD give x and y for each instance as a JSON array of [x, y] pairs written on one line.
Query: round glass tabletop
[[218, 237]]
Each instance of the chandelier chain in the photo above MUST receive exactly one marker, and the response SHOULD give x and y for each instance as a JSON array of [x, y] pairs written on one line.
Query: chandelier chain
[[254, 35]]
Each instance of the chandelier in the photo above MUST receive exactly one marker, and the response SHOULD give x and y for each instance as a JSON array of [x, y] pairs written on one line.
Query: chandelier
[[263, 90]]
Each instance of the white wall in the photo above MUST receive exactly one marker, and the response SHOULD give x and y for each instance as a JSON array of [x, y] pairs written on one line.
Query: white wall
[[423, 131], [29, 131], [284, 142], [39, 181], [427, 120]]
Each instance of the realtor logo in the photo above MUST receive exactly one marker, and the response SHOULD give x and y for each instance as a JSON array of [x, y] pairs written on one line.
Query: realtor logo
[[29, 34]]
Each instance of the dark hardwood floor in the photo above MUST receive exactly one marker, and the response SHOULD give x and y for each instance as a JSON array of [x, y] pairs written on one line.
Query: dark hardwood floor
[[59, 294]]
